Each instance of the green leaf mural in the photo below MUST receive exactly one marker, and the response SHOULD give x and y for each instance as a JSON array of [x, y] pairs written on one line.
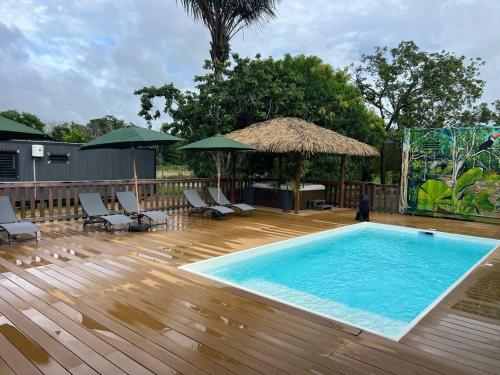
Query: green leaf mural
[[467, 179], [491, 178], [454, 172], [466, 205], [482, 201], [433, 194]]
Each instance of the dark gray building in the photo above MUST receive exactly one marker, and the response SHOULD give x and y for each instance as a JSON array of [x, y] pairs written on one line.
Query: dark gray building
[[64, 162]]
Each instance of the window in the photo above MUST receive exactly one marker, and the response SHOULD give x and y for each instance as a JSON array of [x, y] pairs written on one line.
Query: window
[[58, 158], [8, 166]]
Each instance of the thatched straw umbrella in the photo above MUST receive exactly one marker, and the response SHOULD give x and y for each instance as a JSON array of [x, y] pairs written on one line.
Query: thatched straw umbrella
[[290, 134]]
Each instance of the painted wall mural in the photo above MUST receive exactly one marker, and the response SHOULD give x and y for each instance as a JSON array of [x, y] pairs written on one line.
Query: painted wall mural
[[452, 172]]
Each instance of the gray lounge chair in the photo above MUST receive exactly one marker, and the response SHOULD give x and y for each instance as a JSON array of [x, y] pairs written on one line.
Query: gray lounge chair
[[200, 206], [97, 213], [223, 201], [128, 202], [10, 224]]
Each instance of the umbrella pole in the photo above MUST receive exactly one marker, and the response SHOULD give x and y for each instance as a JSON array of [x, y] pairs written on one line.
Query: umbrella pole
[[298, 167], [233, 177], [218, 165], [135, 184]]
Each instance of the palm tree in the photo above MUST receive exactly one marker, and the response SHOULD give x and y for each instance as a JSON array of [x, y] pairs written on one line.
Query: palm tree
[[225, 18]]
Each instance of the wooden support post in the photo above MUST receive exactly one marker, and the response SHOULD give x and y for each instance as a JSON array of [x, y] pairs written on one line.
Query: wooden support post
[[280, 168], [342, 181], [298, 168]]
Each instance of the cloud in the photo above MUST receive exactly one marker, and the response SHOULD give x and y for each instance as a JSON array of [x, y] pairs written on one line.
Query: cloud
[[75, 60]]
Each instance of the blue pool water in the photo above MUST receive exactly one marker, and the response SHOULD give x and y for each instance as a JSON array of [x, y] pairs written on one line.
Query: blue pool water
[[377, 277]]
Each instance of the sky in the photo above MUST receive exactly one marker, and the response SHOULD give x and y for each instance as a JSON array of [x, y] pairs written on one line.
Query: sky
[[74, 60]]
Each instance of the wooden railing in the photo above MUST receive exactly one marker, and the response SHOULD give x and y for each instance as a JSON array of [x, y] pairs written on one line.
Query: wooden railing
[[50, 201], [383, 198]]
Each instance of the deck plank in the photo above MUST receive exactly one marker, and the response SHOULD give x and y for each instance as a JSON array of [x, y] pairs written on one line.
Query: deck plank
[[117, 303]]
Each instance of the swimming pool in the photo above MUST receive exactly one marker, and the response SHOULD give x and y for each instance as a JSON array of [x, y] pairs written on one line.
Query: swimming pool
[[379, 278]]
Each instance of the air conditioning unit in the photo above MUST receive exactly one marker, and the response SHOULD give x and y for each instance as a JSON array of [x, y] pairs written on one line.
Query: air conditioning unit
[[37, 151]]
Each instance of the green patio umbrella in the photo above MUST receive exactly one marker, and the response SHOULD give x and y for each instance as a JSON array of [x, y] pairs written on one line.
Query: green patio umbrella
[[14, 130], [131, 137], [218, 144]]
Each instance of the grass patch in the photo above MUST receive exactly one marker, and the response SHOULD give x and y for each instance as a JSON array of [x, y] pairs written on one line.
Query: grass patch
[[173, 171]]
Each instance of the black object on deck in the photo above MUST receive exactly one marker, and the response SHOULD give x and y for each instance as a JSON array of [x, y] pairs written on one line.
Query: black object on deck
[[364, 209]]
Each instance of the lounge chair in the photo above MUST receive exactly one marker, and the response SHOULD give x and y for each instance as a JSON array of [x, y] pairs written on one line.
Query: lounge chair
[[128, 202], [97, 213], [200, 206], [10, 224], [223, 201]]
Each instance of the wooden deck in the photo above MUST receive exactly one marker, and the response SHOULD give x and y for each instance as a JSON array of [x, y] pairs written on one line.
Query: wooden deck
[[89, 302]]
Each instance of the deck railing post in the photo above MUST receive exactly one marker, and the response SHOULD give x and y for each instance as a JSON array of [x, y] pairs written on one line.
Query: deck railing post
[[342, 181]]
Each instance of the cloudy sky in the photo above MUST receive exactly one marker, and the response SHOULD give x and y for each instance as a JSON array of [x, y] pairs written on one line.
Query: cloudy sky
[[73, 60]]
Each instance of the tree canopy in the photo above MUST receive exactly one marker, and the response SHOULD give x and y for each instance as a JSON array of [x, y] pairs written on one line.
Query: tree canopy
[[103, 125], [225, 18], [77, 133], [25, 118], [71, 132], [260, 89], [411, 88]]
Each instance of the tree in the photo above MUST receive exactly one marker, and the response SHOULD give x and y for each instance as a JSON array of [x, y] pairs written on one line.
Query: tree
[[494, 113], [260, 89], [224, 19], [71, 132], [76, 133], [99, 126], [411, 88], [25, 118]]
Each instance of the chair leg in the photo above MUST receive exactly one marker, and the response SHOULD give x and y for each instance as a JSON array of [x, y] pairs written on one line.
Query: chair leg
[[217, 214]]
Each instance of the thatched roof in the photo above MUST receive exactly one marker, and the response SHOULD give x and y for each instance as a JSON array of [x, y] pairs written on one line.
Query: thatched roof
[[290, 134]]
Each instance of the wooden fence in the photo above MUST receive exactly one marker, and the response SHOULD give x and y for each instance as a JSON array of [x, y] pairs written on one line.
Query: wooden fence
[[49, 201], [383, 198]]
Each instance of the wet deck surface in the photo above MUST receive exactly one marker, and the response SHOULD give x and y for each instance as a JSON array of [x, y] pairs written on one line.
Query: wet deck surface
[[89, 302]]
